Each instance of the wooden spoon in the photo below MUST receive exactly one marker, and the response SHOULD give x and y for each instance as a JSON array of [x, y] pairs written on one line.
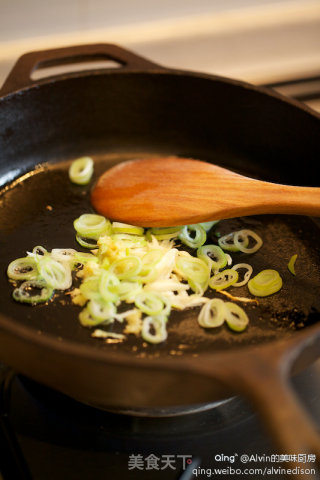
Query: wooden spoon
[[172, 191]]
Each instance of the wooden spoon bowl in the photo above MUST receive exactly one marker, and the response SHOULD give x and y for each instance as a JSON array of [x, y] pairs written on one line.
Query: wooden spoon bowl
[[172, 191]]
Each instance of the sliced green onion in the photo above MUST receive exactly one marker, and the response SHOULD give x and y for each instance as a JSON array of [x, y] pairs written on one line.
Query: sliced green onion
[[165, 230], [55, 274], [224, 279], [152, 303], [236, 318], [87, 242], [39, 250], [227, 242], [214, 255], [128, 291], [108, 285], [193, 235], [126, 268], [150, 260], [63, 254], [208, 225], [195, 271], [241, 241], [33, 292], [165, 233], [89, 288], [83, 258], [102, 311], [24, 268], [247, 274], [88, 320], [291, 264], [142, 268], [118, 227], [212, 314], [81, 170], [265, 283], [154, 329], [129, 241], [91, 225]]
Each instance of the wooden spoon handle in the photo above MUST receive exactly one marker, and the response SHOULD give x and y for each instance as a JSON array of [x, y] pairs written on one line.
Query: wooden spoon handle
[[212, 187], [253, 197]]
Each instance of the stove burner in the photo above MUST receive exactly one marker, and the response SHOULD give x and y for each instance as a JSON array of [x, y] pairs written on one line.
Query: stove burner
[[43, 432], [170, 421], [32, 414]]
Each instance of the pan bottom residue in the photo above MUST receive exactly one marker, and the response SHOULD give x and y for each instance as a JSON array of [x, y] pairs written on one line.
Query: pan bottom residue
[[39, 209]]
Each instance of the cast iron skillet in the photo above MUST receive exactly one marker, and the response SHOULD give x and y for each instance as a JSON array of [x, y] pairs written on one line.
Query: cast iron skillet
[[135, 110]]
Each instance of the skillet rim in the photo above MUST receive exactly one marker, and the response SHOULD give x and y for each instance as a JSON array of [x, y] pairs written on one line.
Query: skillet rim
[[159, 70]]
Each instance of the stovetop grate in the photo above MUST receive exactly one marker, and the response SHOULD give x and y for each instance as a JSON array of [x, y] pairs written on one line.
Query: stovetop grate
[[305, 89]]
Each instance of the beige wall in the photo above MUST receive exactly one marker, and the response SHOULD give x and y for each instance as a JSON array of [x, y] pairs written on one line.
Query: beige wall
[[253, 40], [29, 18]]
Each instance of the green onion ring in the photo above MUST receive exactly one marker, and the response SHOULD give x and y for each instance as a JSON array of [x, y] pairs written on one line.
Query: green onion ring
[[246, 276], [55, 274], [118, 227], [39, 251], [241, 240], [152, 303], [208, 225], [227, 242], [223, 279], [87, 320], [214, 255], [212, 314], [265, 283], [91, 225], [291, 264], [25, 268], [164, 233], [63, 254], [87, 242], [128, 291], [108, 285], [84, 257], [158, 324], [101, 310], [195, 271], [126, 268], [24, 293], [199, 238], [81, 170], [236, 318]]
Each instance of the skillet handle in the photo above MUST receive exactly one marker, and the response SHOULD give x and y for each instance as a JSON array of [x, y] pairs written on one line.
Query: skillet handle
[[20, 75], [265, 380], [262, 376]]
